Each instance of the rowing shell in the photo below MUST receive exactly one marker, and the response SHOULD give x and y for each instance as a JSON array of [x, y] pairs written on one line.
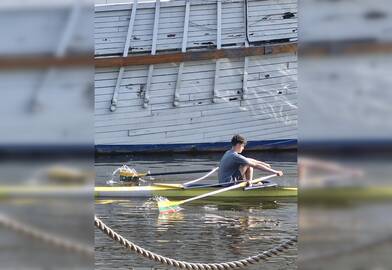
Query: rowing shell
[[178, 191]]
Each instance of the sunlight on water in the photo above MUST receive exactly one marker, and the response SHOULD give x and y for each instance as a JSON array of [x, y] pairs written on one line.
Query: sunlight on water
[[150, 203]]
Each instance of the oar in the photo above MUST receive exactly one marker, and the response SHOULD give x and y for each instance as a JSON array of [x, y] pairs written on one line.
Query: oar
[[201, 178], [173, 173], [166, 206]]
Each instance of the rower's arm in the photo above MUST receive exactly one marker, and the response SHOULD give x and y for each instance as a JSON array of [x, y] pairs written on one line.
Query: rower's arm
[[262, 167], [260, 162]]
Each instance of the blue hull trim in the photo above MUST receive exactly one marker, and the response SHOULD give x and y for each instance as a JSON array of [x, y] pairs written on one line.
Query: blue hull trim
[[194, 147], [347, 145]]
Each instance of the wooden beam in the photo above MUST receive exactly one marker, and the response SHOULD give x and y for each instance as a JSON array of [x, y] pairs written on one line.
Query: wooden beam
[[44, 61], [345, 48], [194, 55], [12, 62]]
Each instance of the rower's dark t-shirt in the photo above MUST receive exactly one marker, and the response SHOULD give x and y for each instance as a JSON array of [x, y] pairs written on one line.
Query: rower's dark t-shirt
[[229, 167]]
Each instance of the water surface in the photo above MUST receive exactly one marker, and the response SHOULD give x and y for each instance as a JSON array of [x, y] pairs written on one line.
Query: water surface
[[205, 231]]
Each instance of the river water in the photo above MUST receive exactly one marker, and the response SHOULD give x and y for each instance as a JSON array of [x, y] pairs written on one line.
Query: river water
[[207, 231]]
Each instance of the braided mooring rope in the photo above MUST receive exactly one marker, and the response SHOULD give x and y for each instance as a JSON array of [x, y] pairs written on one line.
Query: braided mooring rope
[[45, 237], [193, 266]]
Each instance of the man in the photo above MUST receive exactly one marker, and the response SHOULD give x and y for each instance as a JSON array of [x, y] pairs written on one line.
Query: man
[[235, 167]]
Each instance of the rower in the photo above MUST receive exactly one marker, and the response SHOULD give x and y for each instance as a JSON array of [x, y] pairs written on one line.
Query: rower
[[234, 167]]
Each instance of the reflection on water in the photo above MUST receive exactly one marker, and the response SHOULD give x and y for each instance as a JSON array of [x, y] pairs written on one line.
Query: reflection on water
[[204, 231], [63, 216], [352, 235], [209, 233], [356, 237]]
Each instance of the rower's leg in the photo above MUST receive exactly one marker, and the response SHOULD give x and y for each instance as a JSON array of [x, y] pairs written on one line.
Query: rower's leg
[[249, 173], [246, 172]]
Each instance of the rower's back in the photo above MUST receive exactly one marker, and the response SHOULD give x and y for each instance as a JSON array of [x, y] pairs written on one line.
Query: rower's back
[[229, 167]]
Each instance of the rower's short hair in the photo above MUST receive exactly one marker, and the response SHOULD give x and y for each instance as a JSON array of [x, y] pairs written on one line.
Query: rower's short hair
[[238, 139]]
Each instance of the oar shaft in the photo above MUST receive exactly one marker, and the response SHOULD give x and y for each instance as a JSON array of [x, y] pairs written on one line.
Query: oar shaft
[[201, 178], [173, 173], [242, 184]]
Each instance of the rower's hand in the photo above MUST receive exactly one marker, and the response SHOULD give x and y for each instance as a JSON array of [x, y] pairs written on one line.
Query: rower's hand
[[279, 173]]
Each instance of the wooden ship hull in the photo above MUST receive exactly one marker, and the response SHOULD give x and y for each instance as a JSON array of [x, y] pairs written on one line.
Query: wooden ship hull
[[187, 75]]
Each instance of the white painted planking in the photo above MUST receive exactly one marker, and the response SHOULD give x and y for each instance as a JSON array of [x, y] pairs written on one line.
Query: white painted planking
[[225, 128], [230, 85], [345, 21], [271, 79], [259, 84], [228, 130], [254, 111], [165, 107], [202, 25], [44, 126], [205, 109], [40, 30], [193, 78], [166, 119], [272, 70], [231, 129], [184, 122]]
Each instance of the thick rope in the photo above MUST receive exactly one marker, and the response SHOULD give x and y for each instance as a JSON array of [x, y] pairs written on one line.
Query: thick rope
[[45, 237], [193, 266]]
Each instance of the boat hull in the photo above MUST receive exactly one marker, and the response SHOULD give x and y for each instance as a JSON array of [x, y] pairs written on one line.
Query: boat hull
[[150, 191]]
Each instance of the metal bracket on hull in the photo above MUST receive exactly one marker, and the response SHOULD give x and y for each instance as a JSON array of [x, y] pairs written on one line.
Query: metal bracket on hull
[[176, 101], [246, 59], [215, 98], [114, 101], [60, 52], [146, 97]]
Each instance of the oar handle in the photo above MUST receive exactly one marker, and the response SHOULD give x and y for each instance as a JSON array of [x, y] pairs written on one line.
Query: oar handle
[[242, 184]]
